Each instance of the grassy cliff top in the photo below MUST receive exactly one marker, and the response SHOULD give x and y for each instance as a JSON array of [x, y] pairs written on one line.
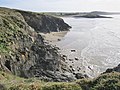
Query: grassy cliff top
[[109, 81]]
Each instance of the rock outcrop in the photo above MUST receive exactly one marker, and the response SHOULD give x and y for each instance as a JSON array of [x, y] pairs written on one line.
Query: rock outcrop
[[115, 69], [44, 23], [22, 49]]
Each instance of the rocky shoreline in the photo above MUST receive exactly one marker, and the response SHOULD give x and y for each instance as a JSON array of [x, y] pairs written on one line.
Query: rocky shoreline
[[24, 52], [29, 62]]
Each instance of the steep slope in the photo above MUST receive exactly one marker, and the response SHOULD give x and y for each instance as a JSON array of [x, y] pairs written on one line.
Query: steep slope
[[44, 23], [23, 51]]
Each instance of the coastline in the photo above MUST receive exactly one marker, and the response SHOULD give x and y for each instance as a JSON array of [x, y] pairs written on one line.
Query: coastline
[[53, 37], [71, 56]]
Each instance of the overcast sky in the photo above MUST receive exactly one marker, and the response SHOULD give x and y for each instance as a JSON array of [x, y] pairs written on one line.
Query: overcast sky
[[63, 5]]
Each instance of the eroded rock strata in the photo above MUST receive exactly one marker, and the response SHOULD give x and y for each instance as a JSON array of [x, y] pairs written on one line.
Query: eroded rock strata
[[44, 23], [23, 51]]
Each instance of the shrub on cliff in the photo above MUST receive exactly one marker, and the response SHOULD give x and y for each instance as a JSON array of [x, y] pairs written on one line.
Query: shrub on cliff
[[109, 81], [62, 86]]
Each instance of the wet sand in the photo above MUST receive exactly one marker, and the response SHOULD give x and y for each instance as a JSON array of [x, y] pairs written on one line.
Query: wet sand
[[73, 59], [54, 36]]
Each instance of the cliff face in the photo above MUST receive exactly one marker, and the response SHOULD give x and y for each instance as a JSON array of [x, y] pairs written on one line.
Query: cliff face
[[23, 51], [44, 23]]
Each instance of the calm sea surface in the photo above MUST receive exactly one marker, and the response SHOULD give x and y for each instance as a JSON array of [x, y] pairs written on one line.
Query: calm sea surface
[[96, 41]]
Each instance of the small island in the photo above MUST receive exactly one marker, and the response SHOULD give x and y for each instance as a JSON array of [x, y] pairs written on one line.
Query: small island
[[91, 15]]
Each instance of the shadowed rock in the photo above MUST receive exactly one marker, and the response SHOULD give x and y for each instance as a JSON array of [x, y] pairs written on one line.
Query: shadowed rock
[[23, 50], [115, 69]]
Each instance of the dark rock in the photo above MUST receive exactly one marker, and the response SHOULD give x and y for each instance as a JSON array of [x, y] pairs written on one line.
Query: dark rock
[[70, 59], [26, 54], [115, 69], [44, 23], [73, 50], [76, 59], [64, 56], [59, 39], [109, 70], [71, 67], [80, 76]]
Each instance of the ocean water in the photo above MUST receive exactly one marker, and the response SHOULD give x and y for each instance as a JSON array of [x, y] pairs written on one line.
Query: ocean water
[[96, 43]]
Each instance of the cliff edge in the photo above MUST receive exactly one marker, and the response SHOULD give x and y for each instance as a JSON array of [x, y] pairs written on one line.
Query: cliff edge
[[23, 51], [44, 23]]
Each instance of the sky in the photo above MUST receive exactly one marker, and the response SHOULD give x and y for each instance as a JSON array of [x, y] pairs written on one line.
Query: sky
[[63, 5]]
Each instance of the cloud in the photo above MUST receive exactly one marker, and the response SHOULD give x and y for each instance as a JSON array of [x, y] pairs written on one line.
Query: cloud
[[63, 5]]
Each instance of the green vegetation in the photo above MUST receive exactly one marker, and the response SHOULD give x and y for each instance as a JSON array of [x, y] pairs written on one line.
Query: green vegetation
[[109, 81], [11, 82], [11, 26], [13, 31]]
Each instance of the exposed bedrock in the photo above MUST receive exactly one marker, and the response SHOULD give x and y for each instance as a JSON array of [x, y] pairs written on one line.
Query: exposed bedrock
[[22, 49]]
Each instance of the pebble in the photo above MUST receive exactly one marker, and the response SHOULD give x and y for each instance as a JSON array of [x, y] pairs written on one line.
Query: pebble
[[76, 59], [73, 50]]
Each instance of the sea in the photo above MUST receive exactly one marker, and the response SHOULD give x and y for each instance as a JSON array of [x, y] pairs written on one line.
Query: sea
[[92, 45]]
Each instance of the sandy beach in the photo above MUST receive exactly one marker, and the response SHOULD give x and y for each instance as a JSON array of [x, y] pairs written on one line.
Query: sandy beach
[[53, 36]]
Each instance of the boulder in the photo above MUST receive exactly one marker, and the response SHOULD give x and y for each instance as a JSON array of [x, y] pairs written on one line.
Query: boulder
[[115, 69], [80, 75]]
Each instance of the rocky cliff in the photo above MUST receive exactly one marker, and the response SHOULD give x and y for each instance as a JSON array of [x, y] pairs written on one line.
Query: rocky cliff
[[23, 51], [44, 23]]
